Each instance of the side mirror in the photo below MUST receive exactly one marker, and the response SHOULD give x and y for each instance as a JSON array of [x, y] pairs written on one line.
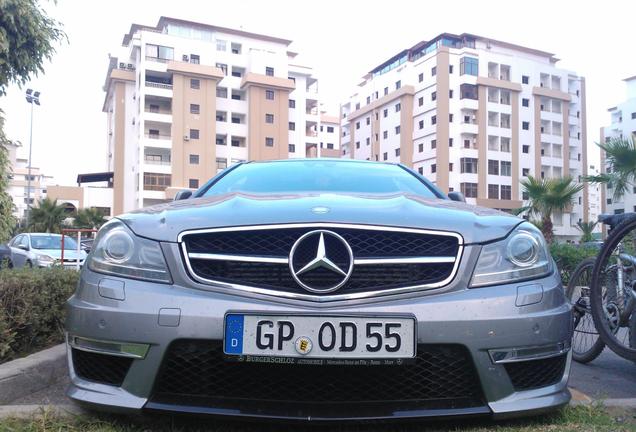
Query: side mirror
[[23, 247], [456, 196], [183, 194]]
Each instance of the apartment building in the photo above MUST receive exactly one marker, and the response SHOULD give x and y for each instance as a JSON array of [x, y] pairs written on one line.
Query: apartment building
[[594, 199], [475, 115], [19, 182], [329, 136], [185, 100], [622, 124]]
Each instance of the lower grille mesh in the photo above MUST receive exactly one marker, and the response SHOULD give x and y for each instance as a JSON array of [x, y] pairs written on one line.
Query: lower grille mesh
[[197, 368], [526, 375], [101, 368]]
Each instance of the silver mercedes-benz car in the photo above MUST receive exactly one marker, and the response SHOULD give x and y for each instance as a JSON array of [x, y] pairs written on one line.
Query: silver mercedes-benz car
[[320, 290]]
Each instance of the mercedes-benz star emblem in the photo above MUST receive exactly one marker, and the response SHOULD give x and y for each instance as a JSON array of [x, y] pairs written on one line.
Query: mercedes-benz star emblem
[[321, 261]]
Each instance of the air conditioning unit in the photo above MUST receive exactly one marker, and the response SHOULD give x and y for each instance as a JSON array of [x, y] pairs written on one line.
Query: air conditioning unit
[[131, 66], [186, 138], [185, 58], [122, 65]]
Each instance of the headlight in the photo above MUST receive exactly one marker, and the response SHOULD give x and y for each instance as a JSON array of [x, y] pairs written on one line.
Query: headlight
[[522, 255], [45, 259], [119, 252]]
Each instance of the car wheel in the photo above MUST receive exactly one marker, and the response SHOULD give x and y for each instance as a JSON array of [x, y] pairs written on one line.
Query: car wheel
[[29, 264]]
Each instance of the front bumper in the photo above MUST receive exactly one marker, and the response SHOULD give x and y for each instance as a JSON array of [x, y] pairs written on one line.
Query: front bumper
[[481, 320]]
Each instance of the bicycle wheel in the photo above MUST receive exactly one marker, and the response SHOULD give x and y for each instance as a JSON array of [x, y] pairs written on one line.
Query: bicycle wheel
[[613, 282], [586, 342]]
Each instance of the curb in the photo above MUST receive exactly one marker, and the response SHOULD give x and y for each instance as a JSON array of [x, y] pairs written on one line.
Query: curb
[[22, 377]]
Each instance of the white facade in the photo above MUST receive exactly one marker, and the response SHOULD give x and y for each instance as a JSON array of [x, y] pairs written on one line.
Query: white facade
[[622, 124], [594, 193], [19, 183], [511, 112], [150, 115]]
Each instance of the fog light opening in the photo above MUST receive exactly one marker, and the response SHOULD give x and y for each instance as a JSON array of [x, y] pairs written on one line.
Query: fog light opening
[[510, 355], [121, 349]]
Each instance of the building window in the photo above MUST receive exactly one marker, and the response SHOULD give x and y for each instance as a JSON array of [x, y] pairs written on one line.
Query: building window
[[385, 156], [468, 66], [397, 130], [357, 144], [194, 133], [269, 118], [330, 146], [269, 71], [468, 165], [493, 191], [195, 84], [153, 108], [506, 192], [221, 92], [223, 68], [386, 91], [220, 140], [385, 113], [525, 196], [368, 100], [450, 94], [368, 121], [194, 159], [433, 144], [385, 134], [292, 126], [420, 170], [525, 148], [506, 168], [525, 79], [358, 125], [420, 77], [525, 125], [236, 48], [159, 52], [421, 124], [236, 120], [397, 152], [450, 69], [195, 59], [420, 147], [357, 106], [434, 120], [292, 103], [330, 129], [450, 167], [450, 142], [493, 167], [450, 118], [269, 141], [194, 109], [420, 101], [434, 96], [633, 115], [221, 45], [609, 200], [193, 183], [468, 189], [525, 172], [368, 141], [269, 94], [525, 102], [398, 84], [433, 168], [434, 71], [292, 148], [468, 91], [398, 107]]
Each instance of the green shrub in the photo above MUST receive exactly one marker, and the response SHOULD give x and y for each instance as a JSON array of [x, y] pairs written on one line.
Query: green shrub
[[568, 256], [32, 303]]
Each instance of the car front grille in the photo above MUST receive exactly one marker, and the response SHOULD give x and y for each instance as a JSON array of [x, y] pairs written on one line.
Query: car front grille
[[100, 368], [531, 374], [401, 258], [441, 375]]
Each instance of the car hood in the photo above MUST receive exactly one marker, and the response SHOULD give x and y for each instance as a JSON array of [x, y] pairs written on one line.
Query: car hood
[[57, 253], [164, 222]]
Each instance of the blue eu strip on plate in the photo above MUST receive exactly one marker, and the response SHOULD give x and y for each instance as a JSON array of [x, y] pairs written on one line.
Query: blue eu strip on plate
[[234, 334]]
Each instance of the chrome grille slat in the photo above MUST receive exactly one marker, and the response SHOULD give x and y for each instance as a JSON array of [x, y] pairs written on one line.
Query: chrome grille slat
[[386, 259]]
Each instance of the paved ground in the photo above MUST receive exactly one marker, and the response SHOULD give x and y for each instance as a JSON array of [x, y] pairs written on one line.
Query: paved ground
[[607, 377]]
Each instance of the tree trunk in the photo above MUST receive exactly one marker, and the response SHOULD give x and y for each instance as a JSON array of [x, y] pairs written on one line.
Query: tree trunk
[[547, 229]]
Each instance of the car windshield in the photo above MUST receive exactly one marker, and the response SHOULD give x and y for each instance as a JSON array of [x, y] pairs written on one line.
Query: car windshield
[[52, 242], [320, 176]]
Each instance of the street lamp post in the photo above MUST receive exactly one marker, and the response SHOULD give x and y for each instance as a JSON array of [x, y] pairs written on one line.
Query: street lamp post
[[32, 98]]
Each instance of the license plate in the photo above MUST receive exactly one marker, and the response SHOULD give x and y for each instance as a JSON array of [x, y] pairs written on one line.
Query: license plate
[[320, 336]]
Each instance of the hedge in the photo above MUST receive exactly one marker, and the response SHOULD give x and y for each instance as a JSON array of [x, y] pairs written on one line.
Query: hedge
[[568, 256], [32, 309]]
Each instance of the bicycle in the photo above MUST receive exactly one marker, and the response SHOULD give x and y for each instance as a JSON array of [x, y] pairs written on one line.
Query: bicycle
[[586, 342], [613, 286]]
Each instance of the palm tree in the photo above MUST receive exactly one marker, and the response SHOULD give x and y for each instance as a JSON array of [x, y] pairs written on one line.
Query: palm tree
[[620, 159], [586, 229], [89, 218], [47, 216], [548, 196]]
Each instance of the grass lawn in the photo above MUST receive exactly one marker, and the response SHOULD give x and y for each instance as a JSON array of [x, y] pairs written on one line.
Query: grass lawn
[[579, 419]]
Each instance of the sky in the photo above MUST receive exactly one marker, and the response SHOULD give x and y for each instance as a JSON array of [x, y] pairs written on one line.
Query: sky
[[593, 39]]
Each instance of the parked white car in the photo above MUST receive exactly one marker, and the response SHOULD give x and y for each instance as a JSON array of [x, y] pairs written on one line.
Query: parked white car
[[44, 250]]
